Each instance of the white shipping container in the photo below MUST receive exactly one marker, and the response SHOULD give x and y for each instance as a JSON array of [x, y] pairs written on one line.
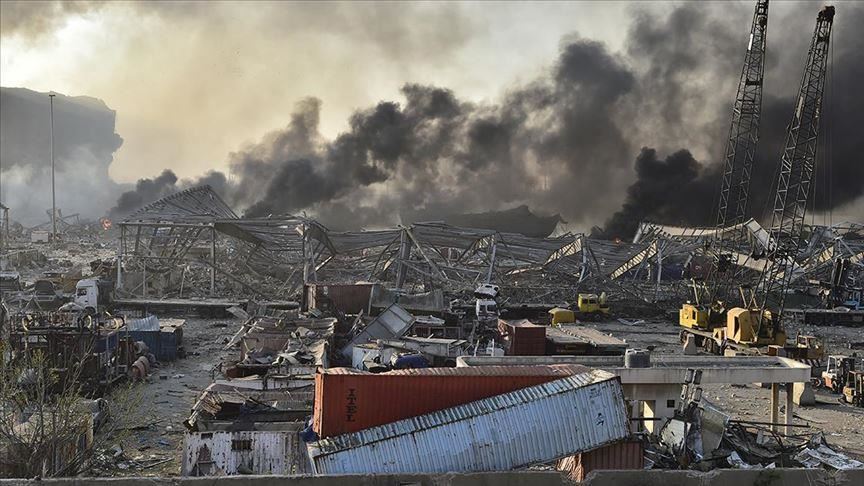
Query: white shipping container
[[250, 452], [532, 425]]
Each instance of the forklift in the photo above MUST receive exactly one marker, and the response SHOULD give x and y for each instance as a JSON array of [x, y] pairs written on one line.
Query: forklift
[[836, 374], [841, 376], [853, 392]]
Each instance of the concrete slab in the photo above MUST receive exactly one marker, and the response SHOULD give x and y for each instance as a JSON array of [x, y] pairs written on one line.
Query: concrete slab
[[802, 394], [672, 369]]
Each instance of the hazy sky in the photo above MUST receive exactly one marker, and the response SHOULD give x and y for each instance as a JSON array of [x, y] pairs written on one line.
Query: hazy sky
[[192, 82]]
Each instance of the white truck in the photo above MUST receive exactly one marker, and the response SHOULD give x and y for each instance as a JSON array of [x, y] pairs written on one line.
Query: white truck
[[486, 305], [93, 294]]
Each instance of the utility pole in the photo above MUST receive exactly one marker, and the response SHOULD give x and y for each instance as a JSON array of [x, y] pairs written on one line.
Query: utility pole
[[53, 191]]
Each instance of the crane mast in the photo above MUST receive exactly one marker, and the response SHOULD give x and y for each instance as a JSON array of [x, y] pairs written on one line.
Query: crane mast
[[740, 150], [795, 175], [744, 130]]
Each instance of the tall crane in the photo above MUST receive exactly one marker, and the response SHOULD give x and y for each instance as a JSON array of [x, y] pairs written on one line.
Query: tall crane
[[733, 206], [744, 129], [758, 322], [797, 165], [740, 151]]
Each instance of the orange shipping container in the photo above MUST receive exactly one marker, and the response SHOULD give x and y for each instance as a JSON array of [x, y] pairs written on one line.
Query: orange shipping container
[[525, 338], [622, 455], [348, 400]]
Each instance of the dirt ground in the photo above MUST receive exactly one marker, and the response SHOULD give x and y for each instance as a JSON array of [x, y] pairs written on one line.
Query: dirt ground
[[166, 399], [842, 424]]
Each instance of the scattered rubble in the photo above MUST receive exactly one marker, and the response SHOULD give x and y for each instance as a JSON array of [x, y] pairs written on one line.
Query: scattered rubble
[[277, 346]]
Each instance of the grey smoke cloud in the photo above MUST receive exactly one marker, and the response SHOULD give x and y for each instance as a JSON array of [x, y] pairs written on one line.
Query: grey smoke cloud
[[562, 142], [565, 139], [85, 141], [33, 19]]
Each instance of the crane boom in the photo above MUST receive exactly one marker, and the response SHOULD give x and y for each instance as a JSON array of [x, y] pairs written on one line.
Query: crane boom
[[797, 165], [740, 150], [744, 129]]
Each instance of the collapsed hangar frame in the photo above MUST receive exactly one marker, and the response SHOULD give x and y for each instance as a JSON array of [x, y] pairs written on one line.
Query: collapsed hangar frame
[[196, 226]]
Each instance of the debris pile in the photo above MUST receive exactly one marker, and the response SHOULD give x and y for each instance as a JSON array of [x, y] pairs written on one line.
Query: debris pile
[[702, 437]]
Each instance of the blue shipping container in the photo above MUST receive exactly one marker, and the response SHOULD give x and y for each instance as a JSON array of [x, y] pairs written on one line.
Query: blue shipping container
[[163, 343]]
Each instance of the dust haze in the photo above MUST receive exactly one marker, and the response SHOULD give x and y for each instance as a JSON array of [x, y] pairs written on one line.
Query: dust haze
[[606, 133]]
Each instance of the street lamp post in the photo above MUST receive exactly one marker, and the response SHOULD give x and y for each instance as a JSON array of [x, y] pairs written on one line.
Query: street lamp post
[[53, 192]]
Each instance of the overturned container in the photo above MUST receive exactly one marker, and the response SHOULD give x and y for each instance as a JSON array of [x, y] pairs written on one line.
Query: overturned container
[[349, 400], [532, 425]]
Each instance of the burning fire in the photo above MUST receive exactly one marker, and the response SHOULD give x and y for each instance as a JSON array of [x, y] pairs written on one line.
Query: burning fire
[[106, 223]]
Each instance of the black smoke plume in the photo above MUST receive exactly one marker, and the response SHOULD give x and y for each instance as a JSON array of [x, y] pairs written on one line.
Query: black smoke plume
[[673, 190], [148, 190], [564, 142], [682, 191]]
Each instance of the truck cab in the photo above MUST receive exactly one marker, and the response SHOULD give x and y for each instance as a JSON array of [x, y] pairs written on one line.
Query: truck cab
[[592, 303], [487, 310], [93, 294], [486, 306]]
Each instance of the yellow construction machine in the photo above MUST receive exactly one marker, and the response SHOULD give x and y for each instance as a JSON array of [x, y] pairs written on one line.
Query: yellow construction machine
[[758, 321], [695, 315], [745, 327], [592, 304], [589, 307], [716, 328]]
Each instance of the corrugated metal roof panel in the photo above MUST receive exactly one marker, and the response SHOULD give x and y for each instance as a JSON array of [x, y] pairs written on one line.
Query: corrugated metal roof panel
[[393, 322], [536, 424]]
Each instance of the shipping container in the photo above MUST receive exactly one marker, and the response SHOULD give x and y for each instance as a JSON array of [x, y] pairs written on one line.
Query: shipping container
[[523, 337], [533, 425], [348, 400], [165, 343], [249, 452], [351, 298], [393, 322], [621, 455]]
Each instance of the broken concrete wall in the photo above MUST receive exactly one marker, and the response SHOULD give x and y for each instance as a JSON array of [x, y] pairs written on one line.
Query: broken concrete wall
[[766, 477]]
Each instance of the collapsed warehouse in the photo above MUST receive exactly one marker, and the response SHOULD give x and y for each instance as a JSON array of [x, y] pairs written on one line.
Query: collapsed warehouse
[[192, 241]]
